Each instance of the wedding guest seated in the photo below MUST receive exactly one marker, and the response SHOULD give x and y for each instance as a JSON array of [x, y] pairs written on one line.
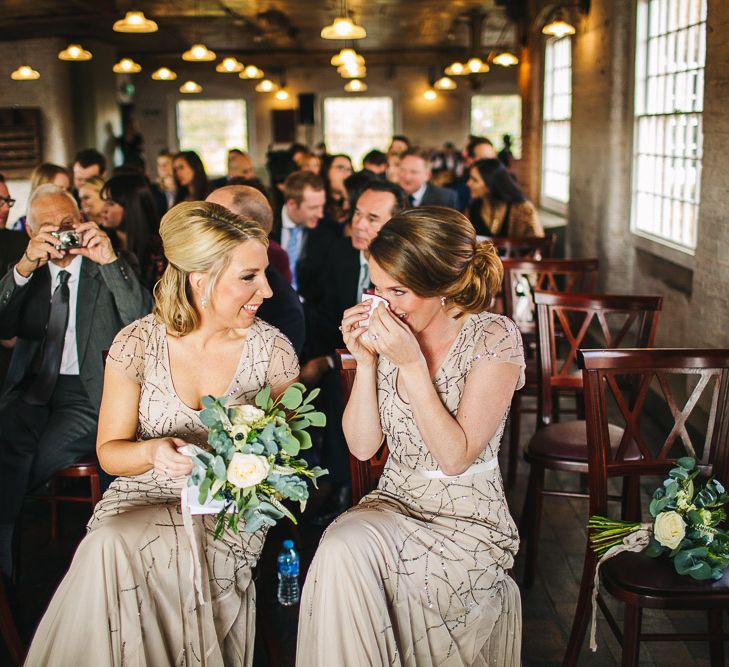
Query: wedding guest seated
[[336, 169], [165, 177], [283, 309], [87, 163], [414, 178], [130, 597], [240, 165], [45, 173], [131, 219], [498, 206], [417, 572], [65, 307], [90, 201], [190, 177], [375, 162]]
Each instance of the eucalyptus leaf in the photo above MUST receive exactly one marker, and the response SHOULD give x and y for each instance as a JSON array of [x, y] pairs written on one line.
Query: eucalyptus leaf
[[318, 419], [204, 488], [300, 424], [219, 468], [304, 440], [292, 397], [312, 395], [291, 445], [262, 398], [686, 462]]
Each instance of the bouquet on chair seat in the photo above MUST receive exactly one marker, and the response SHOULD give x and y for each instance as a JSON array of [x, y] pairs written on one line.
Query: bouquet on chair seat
[[253, 462], [689, 525]]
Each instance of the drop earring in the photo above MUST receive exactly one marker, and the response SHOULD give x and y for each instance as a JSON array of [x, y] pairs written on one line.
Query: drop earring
[[203, 303], [442, 301]]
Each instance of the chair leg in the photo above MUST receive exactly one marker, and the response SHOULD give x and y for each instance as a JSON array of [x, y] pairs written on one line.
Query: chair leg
[[532, 518], [8, 630], [716, 641], [631, 635], [54, 510], [583, 610], [630, 503], [514, 436]]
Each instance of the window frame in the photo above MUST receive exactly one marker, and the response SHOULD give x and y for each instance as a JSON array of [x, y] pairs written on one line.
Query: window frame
[[174, 137], [667, 248], [547, 201]]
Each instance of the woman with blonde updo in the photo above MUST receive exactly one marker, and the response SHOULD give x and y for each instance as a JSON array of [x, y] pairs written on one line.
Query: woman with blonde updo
[[417, 571], [130, 597]]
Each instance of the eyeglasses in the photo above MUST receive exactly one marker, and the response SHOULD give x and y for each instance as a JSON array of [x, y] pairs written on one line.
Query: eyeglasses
[[7, 200]]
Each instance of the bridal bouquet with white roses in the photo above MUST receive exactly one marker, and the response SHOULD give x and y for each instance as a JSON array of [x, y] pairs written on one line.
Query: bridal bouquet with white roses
[[689, 525], [253, 462]]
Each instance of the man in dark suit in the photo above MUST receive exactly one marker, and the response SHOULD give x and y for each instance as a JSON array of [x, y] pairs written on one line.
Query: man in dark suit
[[413, 178], [65, 306], [345, 277], [283, 310], [240, 165]]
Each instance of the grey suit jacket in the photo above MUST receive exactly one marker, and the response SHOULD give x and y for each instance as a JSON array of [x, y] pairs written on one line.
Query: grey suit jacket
[[109, 298], [437, 196]]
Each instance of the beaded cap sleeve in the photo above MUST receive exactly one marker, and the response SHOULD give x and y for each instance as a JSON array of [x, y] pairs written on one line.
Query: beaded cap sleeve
[[127, 352], [497, 340]]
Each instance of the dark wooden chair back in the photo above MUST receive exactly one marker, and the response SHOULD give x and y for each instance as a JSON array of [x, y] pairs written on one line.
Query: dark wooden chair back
[[364, 473], [567, 321], [532, 247], [689, 392], [522, 277]]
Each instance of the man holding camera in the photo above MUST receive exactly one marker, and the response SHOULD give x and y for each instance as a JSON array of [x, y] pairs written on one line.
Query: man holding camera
[[65, 300]]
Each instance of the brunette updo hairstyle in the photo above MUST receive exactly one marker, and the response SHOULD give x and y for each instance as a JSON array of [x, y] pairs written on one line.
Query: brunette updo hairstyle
[[197, 237], [433, 251]]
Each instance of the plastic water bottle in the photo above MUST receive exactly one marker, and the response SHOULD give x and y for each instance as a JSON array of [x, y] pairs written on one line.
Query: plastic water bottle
[[288, 575]]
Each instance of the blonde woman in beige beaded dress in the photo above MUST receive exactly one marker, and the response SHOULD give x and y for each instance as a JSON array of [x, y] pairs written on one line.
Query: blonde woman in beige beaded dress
[[129, 597], [416, 574]]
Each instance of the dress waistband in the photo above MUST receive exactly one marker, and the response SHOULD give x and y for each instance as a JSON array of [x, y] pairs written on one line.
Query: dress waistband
[[491, 464]]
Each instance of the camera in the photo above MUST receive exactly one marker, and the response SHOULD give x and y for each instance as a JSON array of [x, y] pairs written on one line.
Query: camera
[[67, 239]]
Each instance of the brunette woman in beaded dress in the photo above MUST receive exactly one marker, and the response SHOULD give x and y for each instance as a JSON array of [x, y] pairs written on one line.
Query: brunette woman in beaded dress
[[129, 597], [416, 573]]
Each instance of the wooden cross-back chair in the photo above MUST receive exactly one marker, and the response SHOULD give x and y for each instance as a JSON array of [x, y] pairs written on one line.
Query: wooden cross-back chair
[[618, 385], [570, 320], [534, 247], [521, 278], [365, 474]]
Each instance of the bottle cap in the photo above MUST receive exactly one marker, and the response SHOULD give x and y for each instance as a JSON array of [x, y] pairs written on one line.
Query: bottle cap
[[288, 544]]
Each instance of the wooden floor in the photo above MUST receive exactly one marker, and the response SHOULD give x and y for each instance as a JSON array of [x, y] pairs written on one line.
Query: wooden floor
[[547, 608]]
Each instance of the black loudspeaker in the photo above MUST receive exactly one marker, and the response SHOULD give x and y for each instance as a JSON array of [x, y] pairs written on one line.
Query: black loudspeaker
[[284, 125], [306, 108]]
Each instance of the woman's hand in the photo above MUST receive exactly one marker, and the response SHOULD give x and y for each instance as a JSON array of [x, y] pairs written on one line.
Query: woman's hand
[[165, 458], [391, 337], [352, 330]]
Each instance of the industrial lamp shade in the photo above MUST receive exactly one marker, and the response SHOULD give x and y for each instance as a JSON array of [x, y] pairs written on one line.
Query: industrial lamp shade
[[74, 52], [343, 28], [135, 22]]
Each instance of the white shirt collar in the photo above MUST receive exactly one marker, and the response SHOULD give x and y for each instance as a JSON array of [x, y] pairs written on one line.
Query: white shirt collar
[[74, 268], [362, 258], [419, 194], [286, 222]]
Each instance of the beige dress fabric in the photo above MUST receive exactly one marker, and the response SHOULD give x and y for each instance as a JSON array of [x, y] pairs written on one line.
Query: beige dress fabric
[[129, 598], [416, 573]]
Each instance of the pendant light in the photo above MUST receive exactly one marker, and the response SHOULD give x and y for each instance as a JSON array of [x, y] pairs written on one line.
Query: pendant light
[[251, 72], [558, 27], [445, 83], [456, 69], [74, 52], [476, 66], [355, 86], [164, 74], [229, 66], [505, 59], [282, 94], [127, 66], [25, 73], [347, 56], [190, 87], [343, 27], [198, 53], [430, 95], [265, 86], [135, 22]]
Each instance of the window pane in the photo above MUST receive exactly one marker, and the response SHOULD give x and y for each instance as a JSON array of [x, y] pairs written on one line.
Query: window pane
[[493, 116], [211, 128], [354, 126], [556, 117], [667, 144]]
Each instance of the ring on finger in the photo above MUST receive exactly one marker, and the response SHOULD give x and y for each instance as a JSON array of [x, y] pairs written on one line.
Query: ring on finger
[[374, 336]]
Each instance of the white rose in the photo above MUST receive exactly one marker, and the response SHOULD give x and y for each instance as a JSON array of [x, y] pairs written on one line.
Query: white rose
[[247, 414], [246, 470], [669, 529]]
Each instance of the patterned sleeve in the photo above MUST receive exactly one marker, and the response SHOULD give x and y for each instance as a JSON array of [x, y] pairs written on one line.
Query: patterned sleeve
[[499, 341], [284, 365], [126, 354]]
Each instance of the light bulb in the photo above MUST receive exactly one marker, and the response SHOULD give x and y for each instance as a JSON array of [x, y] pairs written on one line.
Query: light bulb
[[430, 95]]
